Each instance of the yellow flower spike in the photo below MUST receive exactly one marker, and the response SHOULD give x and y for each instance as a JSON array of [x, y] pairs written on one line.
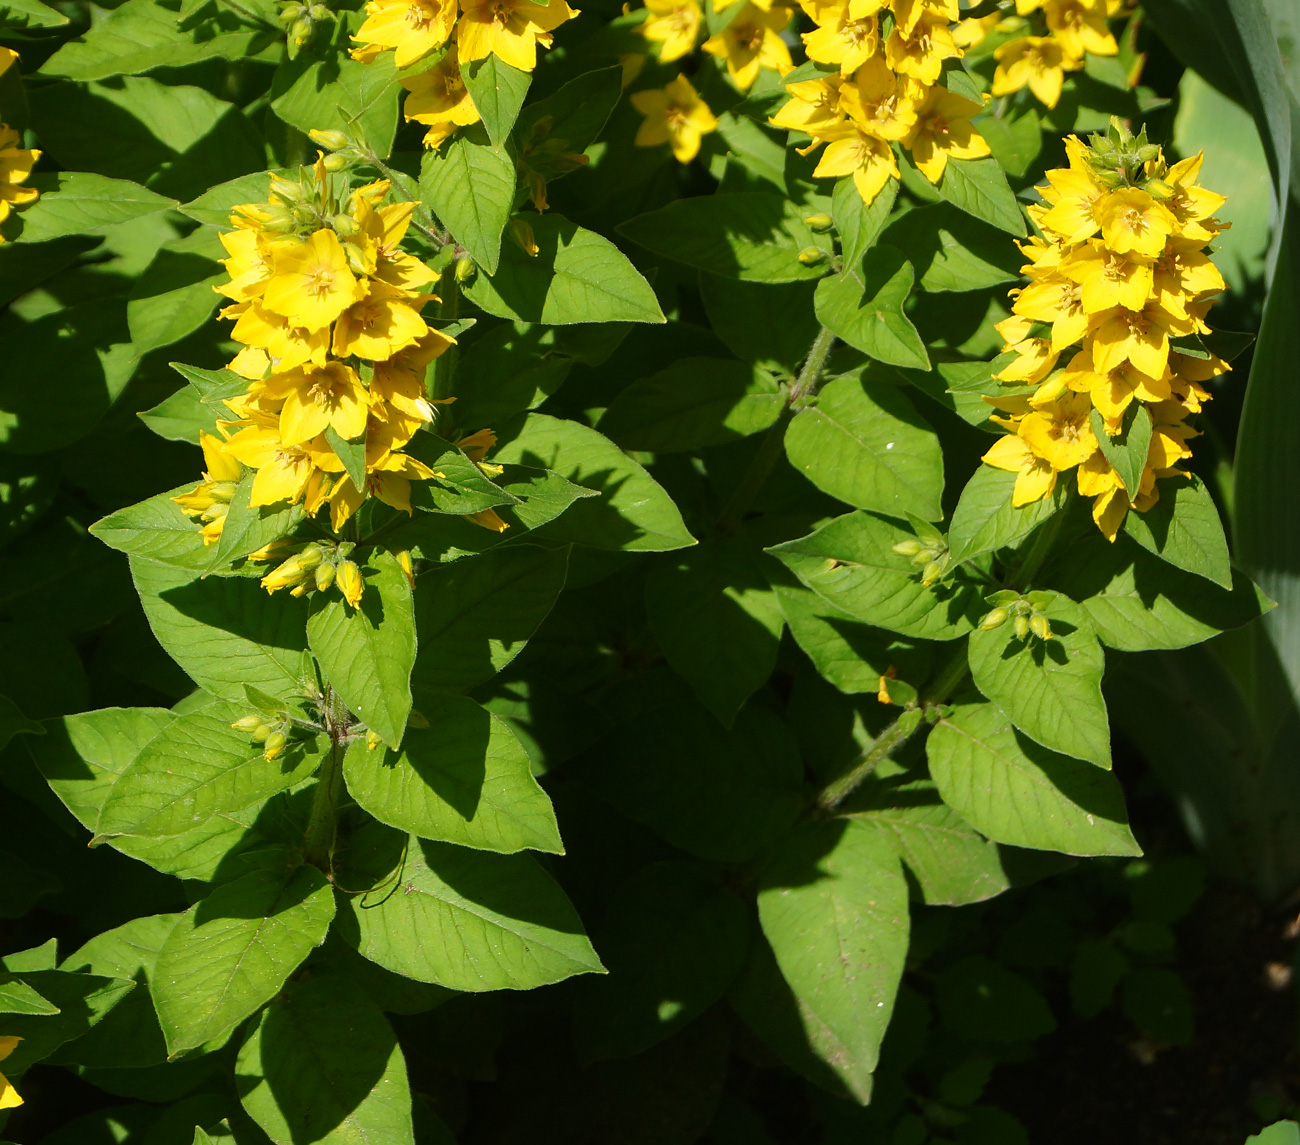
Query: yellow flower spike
[[1036, 62], [382, 323], [674, 25], [412, 28], [508, 29], [942, 131], [752, 41], [9, 1098], [676, 115], [351, 585], [312, 283]]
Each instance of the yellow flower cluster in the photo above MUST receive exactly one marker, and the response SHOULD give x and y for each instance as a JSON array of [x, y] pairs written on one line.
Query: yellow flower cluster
[[414, 30], [16, 162], [327, 307], [890, 57], [1119, 272], [1068, 31]]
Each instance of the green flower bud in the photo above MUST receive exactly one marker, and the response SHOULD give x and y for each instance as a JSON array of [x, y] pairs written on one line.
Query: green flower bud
[[291, 12], [820, 223], [1021, 626], [908, 548], [812, 256], [274, 745], [994, 619], [1039, 626], [931, 573], [261, 733], [330, 140], [248, 724], [324, 576], [465, 270]]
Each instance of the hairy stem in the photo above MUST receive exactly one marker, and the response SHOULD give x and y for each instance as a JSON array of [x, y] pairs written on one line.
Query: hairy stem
[[773, 443]]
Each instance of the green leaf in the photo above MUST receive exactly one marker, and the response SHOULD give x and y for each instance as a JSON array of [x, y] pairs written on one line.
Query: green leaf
[[212, 385], [1050, 689], [157, 530], [247, 529], [951, 251], [29, 14], [978, 187], [367, 653], [1019, 793], [851, 655], [460, 486], [213, 207], [466, 919], [982, 1001], [578, 110], [181, 417], [832, 901], [985, 520], [576, 276], [16, 997], [860, 224], [196, 767], [351, 453], [850, 563], [720, 794], [717, 622], [470, 185], [752, 235], [142, 35], [81, 758], [474, 617], [231, 952], [1137, 603], [338, 93], [224, 632], [952, 864], [865, 308], [497, 90], [1183, 528], [632, 513], [864, 443], [465, 779], [1016, 143], [176, 139], [84, 345], [79, 202], [772, 324], [323, 1065], [1127, 451], [674, 939], [83, 1001], [693, 404], [1279, 1133]]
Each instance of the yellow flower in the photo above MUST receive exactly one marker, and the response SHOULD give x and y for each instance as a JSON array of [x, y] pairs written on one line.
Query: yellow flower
[[284, 472], [752, 41], [1057, 300], [317, 397], [388, 477], [880, 102], [920, 53], [1193, 207], [868, 158], [908, 13], [972, 31], [675, 115], [16, 165], [1035, 360], [1108, 279], [844, 40], [1037, 61], [312, 283], [9, 1098], [381, 324], [1110, 499], [1113, 392], [438, 100], [1132, 220], [508, 29], [1080, 26], [1035, 477], [488, 519], [674, 25], [1061, 431], [350, 582], [813, 106], [1137, 336], [285, 346], [412, 28], [942, 131], [399, 381]]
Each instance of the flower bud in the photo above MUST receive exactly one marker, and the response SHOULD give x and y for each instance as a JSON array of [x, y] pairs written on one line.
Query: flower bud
[[465, 270], [819, 224], [1021, 626], [261, 733], [408, 570], [931, 573], [274, 745], [373, 740], [994, 619], [350, 582], [1039, 626], [298, 590], [291, 12], [324, 576], [812, 256], [908, 548], [320, 12], [330, 140], [334, 162], [248, 724], [300, 31]]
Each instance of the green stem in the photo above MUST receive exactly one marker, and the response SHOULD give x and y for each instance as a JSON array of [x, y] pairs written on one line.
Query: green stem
[[899, 732], [444, 366], [773, 443], [421, 216], [318, 838], [1022, 576]]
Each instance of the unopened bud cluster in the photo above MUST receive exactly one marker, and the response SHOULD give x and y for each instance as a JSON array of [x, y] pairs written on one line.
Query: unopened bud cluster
[[930, 551], [272, 732], [317, 567], [301, 20], [1026, 613]]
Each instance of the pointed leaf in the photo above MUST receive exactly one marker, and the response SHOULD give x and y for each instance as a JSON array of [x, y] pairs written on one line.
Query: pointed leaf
[[470, 185], [865, 308]]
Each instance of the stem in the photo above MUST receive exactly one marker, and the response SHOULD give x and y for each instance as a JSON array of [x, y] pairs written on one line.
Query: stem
[[423, 219], [444, 366], [899, 732], [1023, 574], [318, 838], [773, 444]]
